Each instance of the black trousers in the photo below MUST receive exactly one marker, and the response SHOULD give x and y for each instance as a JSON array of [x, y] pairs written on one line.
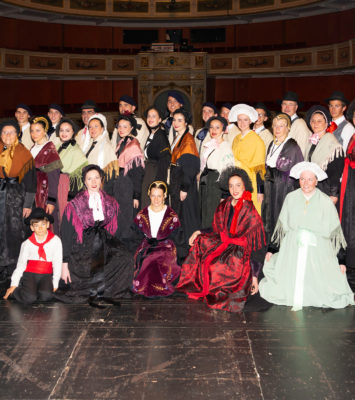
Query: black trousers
[[34, 287]]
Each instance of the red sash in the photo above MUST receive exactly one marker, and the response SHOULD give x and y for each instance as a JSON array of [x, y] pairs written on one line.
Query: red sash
[[226, 241], [344, 179], [39, 267]]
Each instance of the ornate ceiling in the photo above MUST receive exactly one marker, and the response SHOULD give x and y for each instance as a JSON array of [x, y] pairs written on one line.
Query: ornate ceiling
[[167, 13]]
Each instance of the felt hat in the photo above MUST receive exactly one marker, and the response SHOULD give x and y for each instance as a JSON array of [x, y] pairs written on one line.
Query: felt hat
[[177, 96], [337, 95], [210, 105], [38, 213], [25, 107], [297, 170], [89, 104], [291, 96], [242, 109], [128, 99], [56, 107]]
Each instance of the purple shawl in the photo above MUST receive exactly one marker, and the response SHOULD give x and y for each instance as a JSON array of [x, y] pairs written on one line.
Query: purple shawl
[[82, 215]]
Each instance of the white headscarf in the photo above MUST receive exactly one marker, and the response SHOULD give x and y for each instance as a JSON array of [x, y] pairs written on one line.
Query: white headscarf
[[103, 119]]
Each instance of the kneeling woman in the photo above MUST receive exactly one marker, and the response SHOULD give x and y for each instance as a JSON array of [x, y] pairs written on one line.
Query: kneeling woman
[[97, 266], [155, 261], [307, 239], [220, 267]]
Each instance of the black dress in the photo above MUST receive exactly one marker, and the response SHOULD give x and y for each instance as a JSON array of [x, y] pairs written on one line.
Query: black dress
[[158, 156], [278, 184], [17, 191], [100, 266]]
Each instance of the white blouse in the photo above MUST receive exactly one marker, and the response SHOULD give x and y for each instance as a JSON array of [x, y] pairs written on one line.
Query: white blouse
[[37, 148], [274, 153], [95, 204], [155, 220]]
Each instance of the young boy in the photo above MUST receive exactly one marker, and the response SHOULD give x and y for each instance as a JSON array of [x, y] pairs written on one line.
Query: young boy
[[39, 264]]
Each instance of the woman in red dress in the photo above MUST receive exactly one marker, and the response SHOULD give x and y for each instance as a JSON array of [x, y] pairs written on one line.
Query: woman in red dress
[[220, 267]]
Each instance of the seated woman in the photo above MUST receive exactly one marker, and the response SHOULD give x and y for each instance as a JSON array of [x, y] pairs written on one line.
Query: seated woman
[[73, 160], [220, 267], [282, 154], [156, 152], [47, 163], [95, 263], [307, 238], [216, 155], [156, 268]]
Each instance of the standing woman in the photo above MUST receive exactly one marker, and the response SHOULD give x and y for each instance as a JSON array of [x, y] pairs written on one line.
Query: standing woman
[[216, 155], [325, 150], [17, 192], [156, 153], [126, 189], [73, 160], [283, 153], [96, 265], [156, 268], [185, 165], [249, 149], [48, 165]]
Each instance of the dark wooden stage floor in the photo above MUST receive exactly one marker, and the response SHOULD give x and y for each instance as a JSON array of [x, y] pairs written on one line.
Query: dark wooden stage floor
[[174, 349]]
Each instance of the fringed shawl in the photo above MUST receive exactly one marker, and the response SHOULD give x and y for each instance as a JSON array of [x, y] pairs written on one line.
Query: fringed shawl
[[249, 223], [186, 145], [48, 160], [132, 154], [326, 151], [81, 214], [22, 162]]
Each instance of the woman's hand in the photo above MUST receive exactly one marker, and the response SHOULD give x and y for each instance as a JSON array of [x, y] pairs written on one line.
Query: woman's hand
[[49, 208], [183, 195], [198, 177], [254, 286], [268, 256], [65, 273], [342, 268], [9, 291], [333, 199], [260, 197], [26, 212], [135, 203], [193, 237]]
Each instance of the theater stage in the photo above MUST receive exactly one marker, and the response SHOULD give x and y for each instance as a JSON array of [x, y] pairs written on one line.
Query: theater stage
[[175, 349]]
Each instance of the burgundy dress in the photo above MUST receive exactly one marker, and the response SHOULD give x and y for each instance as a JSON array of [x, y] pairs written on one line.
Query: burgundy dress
[[156, 268], [218, 267]]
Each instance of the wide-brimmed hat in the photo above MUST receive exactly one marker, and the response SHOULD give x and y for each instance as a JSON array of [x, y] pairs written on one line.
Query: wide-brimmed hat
[[337, 95], [89, 104], [297, 170], [38, 213], [291, 96], [242, 109]]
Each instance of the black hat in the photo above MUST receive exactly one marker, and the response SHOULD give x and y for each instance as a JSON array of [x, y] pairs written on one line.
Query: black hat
[[89, 168], [130, 118], [177, 96], [336, 95], [218, 118], [38, 213], [263, 107], [25, 107], [10, 122], [56, 107], [291, 96], [320, 109], [210, 105], [68, 121], [227, 105], [89, 104], [128, 99]]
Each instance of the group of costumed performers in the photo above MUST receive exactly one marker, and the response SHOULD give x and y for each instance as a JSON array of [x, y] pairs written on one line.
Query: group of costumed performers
[[18, 185]]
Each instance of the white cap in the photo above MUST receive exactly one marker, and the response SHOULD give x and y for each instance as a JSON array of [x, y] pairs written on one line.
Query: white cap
[[297, 170], [242, 109]]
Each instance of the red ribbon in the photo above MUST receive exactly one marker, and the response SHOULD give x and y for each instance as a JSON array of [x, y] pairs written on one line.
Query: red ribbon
[[246, 196], [41, 252], [39, 267], [332, 127], [226, 241]]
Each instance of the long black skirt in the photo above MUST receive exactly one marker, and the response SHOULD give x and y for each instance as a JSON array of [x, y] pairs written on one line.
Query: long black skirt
[[100, 266], [210, 196]]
